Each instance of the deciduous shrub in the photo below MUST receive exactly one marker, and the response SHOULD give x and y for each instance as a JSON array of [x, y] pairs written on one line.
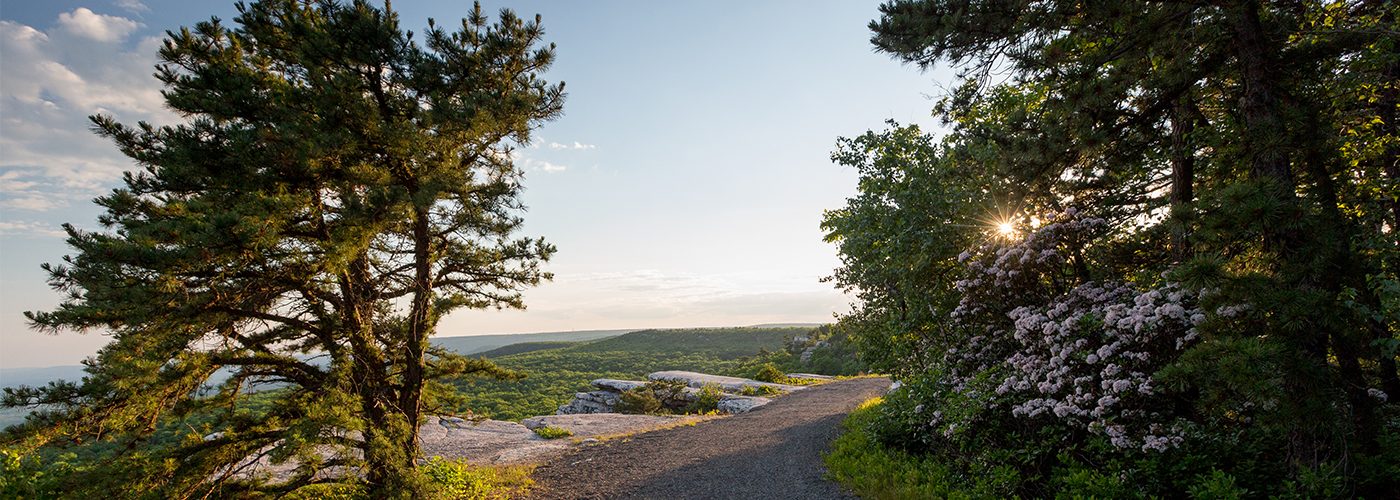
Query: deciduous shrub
[[657, 396], [459, 480], [707, 400], [769, 373], [553, 432], [759, 390]]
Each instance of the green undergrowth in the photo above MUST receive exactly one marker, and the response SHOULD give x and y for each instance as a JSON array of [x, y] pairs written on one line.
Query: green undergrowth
[[451, 480], [760, 390], [875, 471], [553, 432], [26, 478]]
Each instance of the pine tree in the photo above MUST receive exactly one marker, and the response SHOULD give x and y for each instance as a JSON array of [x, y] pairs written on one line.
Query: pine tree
[[1266, 131], [336, 190]]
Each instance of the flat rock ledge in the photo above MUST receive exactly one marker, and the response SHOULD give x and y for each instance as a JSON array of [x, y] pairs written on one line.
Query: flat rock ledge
[[605, 399], [726, 384], [491, 442], [589, 416], [499, 442]]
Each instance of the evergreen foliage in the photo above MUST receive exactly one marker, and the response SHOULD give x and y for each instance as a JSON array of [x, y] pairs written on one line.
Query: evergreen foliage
[[337, 188], [1198, 293]]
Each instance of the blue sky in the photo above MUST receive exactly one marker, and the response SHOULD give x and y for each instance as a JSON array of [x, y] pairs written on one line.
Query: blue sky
[[683, 186]]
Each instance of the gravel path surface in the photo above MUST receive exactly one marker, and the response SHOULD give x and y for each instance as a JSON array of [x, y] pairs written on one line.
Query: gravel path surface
[[772, 452]]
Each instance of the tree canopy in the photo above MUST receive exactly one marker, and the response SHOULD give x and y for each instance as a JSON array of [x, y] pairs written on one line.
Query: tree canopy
[[337, 188], [1232, 163]]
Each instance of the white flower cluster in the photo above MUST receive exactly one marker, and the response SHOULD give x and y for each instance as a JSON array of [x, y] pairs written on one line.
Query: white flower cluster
[[1088, 356], [1000, 274], [1084, 357]]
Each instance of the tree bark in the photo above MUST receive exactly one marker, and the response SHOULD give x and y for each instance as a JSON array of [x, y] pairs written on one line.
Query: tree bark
[[1183, 161], [1265, 131], [420, 327]]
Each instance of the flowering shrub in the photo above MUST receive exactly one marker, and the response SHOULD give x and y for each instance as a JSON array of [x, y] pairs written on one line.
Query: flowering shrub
[[1084, 358]]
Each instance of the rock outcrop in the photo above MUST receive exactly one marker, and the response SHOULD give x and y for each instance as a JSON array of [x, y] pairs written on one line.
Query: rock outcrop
[[605, 399], [733, 385], [602, 401], [732, 403]]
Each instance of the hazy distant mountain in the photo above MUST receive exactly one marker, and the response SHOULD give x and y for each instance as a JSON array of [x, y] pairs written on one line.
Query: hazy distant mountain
[[786, 325], [12, 377], [468, 344], [472, 344]]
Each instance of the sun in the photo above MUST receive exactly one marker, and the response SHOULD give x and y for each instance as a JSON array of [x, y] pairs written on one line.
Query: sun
[[1006, 229]]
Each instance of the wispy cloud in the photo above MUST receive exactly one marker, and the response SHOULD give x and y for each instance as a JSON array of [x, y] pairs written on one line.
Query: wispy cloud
[[651, 298], [576, 145], [132, 6], [86, 64], [29, 228], [533, 165]]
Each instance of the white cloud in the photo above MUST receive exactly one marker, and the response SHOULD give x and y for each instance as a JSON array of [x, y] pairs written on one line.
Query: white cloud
[[100, 27], [533, 165], [132, 6], [52, 81], [577, 145], [29, 228]]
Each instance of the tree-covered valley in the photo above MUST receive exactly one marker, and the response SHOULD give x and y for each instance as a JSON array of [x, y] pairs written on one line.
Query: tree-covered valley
[[554, 372]]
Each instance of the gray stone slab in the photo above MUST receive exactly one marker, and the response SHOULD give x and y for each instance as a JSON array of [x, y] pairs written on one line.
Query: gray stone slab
[[727, 384]]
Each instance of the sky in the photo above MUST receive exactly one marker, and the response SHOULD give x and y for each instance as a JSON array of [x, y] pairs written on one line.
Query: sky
[[684, 186]]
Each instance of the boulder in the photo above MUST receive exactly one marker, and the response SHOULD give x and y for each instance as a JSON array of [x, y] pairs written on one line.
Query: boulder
[[810, 375], [602, 424], [609, 384], [733, 404], [589, 402], [733, 385], [605, 399]]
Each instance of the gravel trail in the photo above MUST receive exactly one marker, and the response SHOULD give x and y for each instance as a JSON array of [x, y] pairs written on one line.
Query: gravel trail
[[772, 452]]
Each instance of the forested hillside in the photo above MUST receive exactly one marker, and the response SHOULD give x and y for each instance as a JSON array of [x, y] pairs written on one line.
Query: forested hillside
[[474, 344], [524, 347], [554, 375]]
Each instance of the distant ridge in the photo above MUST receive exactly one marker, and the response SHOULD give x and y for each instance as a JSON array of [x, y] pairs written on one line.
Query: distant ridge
[[464, 344], [472, 344], [786, 325], [15, 377]]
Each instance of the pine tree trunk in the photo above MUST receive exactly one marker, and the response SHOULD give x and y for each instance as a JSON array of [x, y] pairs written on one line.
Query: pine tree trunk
[[1265, 136], [1183, 168], [420, 327], [371, 378], [1265, 132]]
